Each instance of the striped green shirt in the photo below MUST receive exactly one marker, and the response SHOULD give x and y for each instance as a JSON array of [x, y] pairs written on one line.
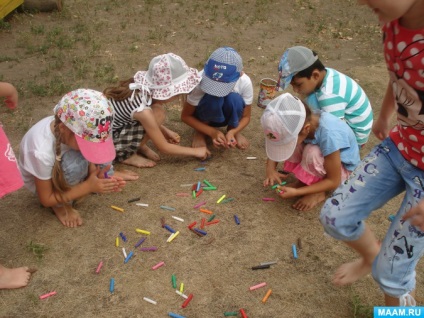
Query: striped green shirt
[[343, 97]]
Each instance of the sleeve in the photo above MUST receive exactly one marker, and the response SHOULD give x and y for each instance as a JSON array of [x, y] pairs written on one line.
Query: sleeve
[[39, 164], [246, 89]]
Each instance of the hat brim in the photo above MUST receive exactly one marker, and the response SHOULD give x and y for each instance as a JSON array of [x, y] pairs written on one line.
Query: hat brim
[[279, 151], [215, 88], [184, 86], [283, 83], [97, 152]]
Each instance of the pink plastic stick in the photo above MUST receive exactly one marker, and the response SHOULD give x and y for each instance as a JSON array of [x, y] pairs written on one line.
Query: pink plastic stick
[[158, 265], [257, 286]]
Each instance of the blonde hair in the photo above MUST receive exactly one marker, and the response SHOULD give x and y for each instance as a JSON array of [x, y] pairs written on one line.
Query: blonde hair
[[60, 186]]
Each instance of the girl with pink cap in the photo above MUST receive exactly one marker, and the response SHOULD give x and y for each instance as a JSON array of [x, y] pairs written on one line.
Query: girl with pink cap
[[59, 155]]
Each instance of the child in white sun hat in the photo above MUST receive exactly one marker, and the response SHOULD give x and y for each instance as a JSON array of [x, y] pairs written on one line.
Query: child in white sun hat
[[223, 99], [326, 89], [139, 112], [319, 149], [59, 155]]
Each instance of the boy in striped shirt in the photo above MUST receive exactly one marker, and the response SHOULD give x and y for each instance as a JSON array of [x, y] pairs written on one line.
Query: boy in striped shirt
[[326, 89]]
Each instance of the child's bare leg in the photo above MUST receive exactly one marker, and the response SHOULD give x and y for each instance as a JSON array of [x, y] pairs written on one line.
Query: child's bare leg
[[147, 152], [126, 175], [199, 140], [170, 135], [242, 142], [309, 201], [368, 247], [139, 162], [68, 216], [392, 301], [14, 277]]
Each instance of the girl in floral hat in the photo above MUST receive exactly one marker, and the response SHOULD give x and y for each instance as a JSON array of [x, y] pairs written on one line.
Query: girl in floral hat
[[59, 155], [139, 114]]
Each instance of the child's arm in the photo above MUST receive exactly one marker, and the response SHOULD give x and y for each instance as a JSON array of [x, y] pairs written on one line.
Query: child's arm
[[381, 127], [332, 165], [94, 183], [148, 121], [9, 91], [244, 121], [187, 116]]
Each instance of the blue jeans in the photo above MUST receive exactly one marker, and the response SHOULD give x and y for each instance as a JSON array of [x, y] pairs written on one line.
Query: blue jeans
[[220, 111], [383, 174], [74, 167]]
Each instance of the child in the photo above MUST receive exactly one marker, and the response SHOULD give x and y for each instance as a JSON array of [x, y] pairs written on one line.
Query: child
[[58, 155], [10, 180], [318, 148], [394, 166], [139, 114], [223, 98], [326, 89]]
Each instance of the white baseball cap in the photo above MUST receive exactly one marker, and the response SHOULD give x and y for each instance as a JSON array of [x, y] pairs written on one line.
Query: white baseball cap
[[281, 122]]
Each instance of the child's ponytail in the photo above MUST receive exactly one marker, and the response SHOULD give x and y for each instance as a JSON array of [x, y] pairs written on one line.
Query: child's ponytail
[[120, 92], [58, 178]]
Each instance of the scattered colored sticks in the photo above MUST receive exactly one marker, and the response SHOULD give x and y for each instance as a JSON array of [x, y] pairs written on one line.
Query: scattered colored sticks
[[160, 264], [150, 300], [198, 205], [187, 301], [294, 251], [172, 315], [177, 218], [47, 295], [139, 242], [221, 198], [133, 200], [268, 199], [142, 231], [167, 208], [257, 286], [174, 281], [261, 267], [112, 285], [268, 293], [141, 204], [236, 219], [206, 211], [130, 254], [99, 267], [117, 208]]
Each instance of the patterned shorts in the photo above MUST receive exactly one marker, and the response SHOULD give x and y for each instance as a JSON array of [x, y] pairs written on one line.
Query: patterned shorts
[[127, 140]]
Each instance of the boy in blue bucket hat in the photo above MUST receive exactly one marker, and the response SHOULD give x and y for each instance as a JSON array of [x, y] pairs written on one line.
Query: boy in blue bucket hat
[[222, 99]]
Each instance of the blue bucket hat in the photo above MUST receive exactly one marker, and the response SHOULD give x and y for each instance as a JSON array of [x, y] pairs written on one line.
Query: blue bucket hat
[[221, 72]]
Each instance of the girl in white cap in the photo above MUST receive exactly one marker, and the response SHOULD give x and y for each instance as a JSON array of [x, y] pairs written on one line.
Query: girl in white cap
[[59, 154], [318, 148], [139, 114]]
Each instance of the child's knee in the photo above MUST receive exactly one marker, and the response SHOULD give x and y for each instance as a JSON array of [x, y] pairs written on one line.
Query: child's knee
[[339, 226]]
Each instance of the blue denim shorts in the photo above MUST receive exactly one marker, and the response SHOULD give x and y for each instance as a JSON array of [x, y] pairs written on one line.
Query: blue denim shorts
[[383, 174]]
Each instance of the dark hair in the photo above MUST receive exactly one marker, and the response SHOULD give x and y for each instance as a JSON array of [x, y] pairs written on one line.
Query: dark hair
[[307, 72]]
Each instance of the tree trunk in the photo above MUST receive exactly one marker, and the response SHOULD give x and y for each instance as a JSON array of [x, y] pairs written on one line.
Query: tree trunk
[[43, 5]]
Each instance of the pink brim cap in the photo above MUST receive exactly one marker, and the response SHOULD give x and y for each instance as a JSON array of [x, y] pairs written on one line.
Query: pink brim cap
[[97, 152]]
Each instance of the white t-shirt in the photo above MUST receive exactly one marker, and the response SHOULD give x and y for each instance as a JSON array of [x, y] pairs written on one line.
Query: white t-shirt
[[37, 153], [243, 86]]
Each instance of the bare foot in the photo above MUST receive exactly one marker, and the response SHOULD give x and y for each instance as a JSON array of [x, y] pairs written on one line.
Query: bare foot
[[139, 162], [148, 153], [171, 136], [199, 140], [309, 201], [350, 272], [242, 142], [126, 175], [68, 216], [14, 277]]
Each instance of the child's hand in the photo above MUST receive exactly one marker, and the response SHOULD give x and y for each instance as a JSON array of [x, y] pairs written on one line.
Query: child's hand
[[219, 140], [381, 128], [10, 93], [286, 192], [99, 184], [272, 177], [231, 140], [202, 153], [416, 215]]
